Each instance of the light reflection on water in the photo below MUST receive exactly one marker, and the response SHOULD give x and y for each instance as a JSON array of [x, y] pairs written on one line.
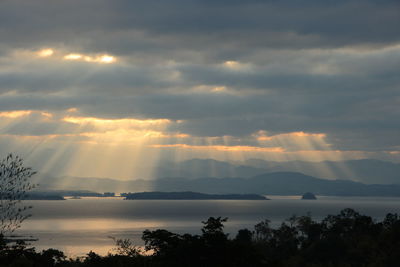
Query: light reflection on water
[[77, 226]]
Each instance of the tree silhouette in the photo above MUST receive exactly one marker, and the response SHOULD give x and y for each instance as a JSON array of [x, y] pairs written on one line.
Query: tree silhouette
[[347, 239], [14, 184]]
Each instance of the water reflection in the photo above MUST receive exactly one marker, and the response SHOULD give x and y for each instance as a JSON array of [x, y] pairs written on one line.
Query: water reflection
[[80, 225]]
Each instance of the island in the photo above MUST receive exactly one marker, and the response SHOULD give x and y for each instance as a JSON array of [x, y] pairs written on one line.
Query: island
[[191, 196], [42, 196], [309, 196]]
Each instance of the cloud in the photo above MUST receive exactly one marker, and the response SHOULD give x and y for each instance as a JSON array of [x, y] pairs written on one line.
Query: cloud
[[212, 69], [136, 27]]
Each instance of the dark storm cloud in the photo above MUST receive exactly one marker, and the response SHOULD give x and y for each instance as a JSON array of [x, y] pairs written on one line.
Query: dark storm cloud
[[314, 66], [141, 27], [41, 76]]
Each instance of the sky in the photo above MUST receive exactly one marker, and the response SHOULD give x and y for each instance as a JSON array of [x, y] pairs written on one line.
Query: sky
[[101, 88]]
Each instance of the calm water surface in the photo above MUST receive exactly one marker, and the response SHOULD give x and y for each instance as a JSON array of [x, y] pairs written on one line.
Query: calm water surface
[[77, 226]]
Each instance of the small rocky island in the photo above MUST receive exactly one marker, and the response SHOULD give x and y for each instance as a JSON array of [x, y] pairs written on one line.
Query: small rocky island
[[191, 196], [309, 196]]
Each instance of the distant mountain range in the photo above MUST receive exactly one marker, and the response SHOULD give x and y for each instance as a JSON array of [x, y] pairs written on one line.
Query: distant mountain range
[[277, 183], [367, 171], [196, 168], [254, 176]]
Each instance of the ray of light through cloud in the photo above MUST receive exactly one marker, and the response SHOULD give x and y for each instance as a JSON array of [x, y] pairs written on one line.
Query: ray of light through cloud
[[125, 93]]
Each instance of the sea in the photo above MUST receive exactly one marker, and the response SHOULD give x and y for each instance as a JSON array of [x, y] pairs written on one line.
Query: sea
[[78, 226]]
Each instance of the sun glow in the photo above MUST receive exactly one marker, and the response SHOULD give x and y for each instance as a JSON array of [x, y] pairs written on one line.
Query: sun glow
[[236, 65], [263, 135], [106, 59], [120, 123], [223, 148], [72, 56], [45, 52], [94, 145], [15, 114], [231, 64]]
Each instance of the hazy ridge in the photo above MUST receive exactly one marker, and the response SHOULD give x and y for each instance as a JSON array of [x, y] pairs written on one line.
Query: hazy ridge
[[254, 179]]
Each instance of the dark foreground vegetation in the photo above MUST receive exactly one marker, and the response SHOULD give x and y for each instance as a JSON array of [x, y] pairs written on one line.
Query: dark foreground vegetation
[[346, 239]]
